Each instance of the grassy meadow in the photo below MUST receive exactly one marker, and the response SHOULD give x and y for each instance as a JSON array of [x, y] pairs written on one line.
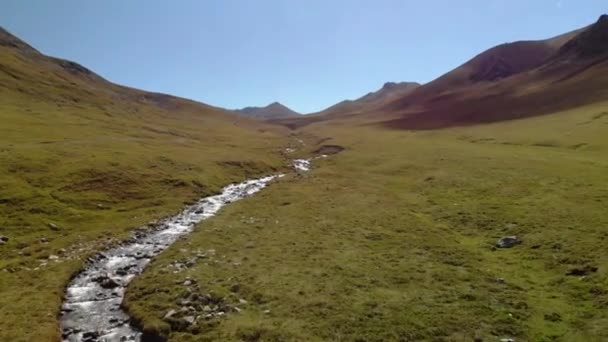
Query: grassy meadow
[[84, 162], [393, 240]]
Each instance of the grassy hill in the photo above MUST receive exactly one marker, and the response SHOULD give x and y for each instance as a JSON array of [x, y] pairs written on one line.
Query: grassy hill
[[97, 159]]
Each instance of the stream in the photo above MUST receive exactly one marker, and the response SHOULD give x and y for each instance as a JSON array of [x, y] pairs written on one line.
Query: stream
[[92, 310]]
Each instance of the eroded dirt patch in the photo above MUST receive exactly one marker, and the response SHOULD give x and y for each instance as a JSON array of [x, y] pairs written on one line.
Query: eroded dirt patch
[[329, 149]]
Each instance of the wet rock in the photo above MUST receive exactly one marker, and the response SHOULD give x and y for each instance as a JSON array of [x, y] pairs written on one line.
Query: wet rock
[[53, 226], [122, 272], [106, 282], [508, 242], [582, 271], [90, 336]]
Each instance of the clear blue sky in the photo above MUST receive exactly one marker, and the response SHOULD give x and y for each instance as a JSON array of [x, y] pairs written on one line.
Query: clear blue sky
[[307, 54]]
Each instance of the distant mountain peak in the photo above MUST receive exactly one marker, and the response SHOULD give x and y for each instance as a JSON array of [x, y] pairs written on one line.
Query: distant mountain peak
[[393, 85], [591, 42], [389, 85], [275, 104], [274, 110]]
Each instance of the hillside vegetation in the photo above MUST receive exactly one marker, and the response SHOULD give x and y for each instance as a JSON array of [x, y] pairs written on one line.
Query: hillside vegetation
[[393, 239], [84, 161]]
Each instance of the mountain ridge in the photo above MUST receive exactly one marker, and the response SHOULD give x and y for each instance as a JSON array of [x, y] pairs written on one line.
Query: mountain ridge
[[505, 82], [275, 110]]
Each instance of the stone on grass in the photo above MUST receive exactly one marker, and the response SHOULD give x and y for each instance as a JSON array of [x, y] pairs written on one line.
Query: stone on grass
[[53, 226], [170, 313], [508, 242], [553, 317]]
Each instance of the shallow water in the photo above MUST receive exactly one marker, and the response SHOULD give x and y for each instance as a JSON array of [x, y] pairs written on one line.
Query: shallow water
[[92, 307]]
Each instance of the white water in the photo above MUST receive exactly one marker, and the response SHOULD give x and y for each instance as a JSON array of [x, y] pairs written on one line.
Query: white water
[[301, 164], [92, 306]]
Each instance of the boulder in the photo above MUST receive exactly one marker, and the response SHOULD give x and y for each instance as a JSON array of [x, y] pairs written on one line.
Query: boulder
[[508, 242], [106, 282]]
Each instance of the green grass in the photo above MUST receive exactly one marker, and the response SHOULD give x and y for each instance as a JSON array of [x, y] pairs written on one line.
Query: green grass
[[391, 240], [99, 161]]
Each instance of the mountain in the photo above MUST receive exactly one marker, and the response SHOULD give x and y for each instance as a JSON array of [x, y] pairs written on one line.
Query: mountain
[[506, 82], [274, 110], [512, 81], [389, 92]]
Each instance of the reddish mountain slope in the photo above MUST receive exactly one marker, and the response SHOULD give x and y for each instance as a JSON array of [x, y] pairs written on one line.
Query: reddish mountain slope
[[370, 102], [513, 81], [506, 82]]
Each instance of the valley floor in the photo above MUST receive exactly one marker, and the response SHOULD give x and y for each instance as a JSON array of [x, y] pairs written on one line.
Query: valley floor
[[390, 239], [393, 239]]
